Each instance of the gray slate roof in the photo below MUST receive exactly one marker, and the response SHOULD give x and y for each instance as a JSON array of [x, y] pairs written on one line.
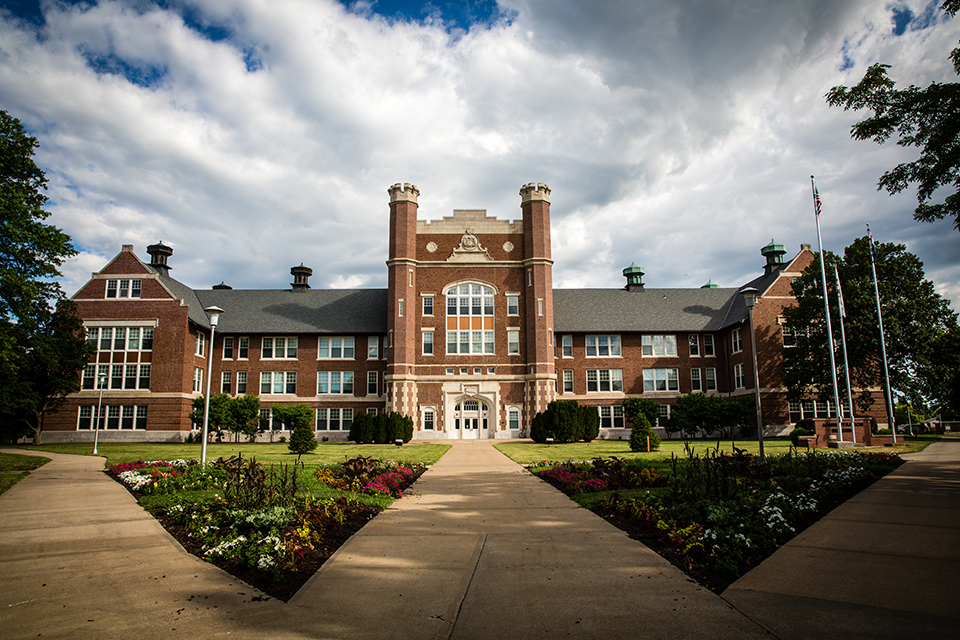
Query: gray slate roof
[[194, 309], [334, 311], [648, 310]]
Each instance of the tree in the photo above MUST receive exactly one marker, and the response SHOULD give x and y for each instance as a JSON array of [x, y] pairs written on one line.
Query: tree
[[299, 420], [42, 346], [926, 118], [915, 319], [220, 416], [245, 414], [562, 421]]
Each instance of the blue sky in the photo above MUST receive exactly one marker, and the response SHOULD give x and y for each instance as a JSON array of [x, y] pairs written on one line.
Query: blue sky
[[676, 134]]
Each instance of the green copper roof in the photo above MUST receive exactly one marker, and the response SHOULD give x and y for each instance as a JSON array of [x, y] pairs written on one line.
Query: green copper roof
[[710, 285], [633, 268], [773, 250]]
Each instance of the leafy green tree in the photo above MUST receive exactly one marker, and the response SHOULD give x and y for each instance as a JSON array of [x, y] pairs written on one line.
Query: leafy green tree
[[362, 428], [643, 433], [298, 419], [916, 321], [590, 421], [38, 344], [634, 407], [220, 417], [245, 416], [562, 421], [925, 118]]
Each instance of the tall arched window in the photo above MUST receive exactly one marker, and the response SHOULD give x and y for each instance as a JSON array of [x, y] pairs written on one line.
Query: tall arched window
[[470, 319]]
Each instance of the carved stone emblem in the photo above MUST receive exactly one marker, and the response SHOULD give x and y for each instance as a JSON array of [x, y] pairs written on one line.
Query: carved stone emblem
[[469, 250], [432, 247], [508, 246]]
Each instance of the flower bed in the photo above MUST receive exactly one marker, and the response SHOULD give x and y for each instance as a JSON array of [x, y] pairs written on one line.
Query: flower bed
[[718, 516], [265, 526]]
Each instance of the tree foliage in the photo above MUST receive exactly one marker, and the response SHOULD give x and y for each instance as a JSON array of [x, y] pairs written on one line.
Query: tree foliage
[[917, 322], [42, 346], [925, 118], [699, 414], [298, 419], [240, 415], [383, 428], [565, 421]]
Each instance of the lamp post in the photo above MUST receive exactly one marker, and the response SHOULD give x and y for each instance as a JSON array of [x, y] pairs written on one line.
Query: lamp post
[[214, 314], [101, 380], [750, 298]]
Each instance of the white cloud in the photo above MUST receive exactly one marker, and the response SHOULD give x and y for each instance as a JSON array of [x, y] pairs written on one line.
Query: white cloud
[[675, 134]]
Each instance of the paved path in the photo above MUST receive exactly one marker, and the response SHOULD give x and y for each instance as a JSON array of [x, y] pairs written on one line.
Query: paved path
[[480, 549]]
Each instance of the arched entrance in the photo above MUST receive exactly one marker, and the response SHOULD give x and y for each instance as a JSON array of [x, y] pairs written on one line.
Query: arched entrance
[[471, 418]]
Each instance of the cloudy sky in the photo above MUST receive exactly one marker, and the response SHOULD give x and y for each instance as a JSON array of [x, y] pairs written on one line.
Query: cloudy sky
[[253, 135]]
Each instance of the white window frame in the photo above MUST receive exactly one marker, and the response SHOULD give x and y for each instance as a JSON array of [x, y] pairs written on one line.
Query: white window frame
[[343, 419], [241, 383], [658, 345], [428, 419], [708, 347], [373, 381], [605, 380], [426, 341], [335, 383], [373, 347], [471, 300], [198, 347], [513, 342], [566, 346], [603, 346], [710, 377], [736, 341], [328, 346], [738, 379], [694, 342], [661, 379], [288, 346], [428, 305], [568, 381], [696, 383], [198, 380], [513, 304], [277, 383], [228, 343]]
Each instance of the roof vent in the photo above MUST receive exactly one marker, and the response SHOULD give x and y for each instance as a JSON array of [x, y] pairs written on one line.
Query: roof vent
[[158, 257], [710, 285], [222, 286], [634, 276], [301, 276], [773, 252]]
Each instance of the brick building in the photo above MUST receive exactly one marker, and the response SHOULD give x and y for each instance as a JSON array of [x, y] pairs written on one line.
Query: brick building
[[470, 338]]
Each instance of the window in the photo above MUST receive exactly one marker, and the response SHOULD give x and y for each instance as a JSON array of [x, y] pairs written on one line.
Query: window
[[470, 320], [600, 380], [428, 343], [226, 380], [89, 377], [124, 288], [664, 414], [278, 349], [694, 345], [334, 419], [708, 345], [269, 422], [428, 305], [789, 337], [735, 340], [658, 345], [513, 305], [603, 346], [373, 347], [120, 338], [695, 382], [513, 342], [131, 376], [241, 382], [661, 380], [243, 348], [371, 411], [228, 348], [513, 418], [568, 380], [611, 417], [400, 307], [738, 376], [539, 306], [429, 419], [116, 376], [335, 382], [336, 348], [566, 346], [373, 383], [711, 375], [126, 417], [197, 380], [278, 383], [198, 350]]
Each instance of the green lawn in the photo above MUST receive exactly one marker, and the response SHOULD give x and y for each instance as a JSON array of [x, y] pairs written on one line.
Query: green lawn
[[325, 453], [14, 468], [527, 452]]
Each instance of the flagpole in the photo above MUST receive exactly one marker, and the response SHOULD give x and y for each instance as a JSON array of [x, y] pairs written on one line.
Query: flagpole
[[826, 306], [846, 363], [883, 344]]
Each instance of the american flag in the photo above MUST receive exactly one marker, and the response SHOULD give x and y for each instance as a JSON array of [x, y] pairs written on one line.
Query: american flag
[[816, 200]]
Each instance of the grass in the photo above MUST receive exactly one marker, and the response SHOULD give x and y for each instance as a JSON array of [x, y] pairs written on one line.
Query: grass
[[267, 453], [14, 468], [527, 452]]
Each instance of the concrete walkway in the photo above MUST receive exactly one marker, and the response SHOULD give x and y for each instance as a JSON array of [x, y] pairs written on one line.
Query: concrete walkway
[[479, 549]]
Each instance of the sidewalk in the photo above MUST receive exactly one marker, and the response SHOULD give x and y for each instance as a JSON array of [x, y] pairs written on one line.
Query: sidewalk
[[885, 564], [480, 549]]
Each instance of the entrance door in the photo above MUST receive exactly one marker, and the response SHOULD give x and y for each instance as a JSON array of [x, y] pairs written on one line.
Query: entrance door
[[470, 419]]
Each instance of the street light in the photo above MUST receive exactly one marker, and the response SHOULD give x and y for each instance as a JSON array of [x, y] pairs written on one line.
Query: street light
[[101, 380], [750, 298], [214, 314]]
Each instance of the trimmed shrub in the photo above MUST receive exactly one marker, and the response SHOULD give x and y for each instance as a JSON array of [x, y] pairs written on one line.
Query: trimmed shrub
[[590, 419], [361, 431], [640, 432], [797, 433]]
